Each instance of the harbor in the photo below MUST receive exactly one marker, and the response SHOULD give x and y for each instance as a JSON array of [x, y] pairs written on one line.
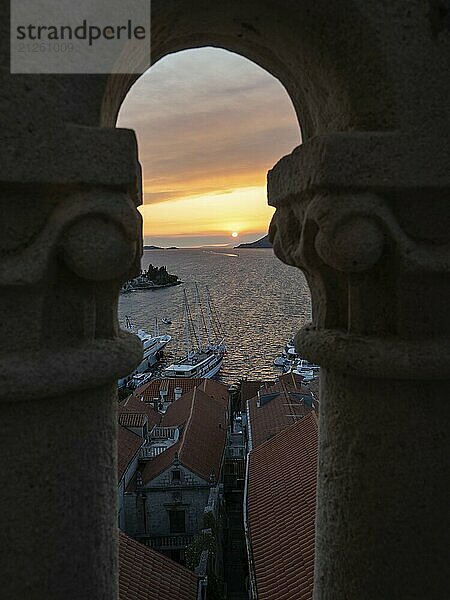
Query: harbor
[[255, 332], [186, 334]]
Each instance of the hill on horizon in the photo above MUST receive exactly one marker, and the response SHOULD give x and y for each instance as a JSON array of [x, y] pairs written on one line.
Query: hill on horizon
[[261, 243]]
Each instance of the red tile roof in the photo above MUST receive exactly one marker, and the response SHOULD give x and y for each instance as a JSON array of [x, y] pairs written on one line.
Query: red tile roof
[[152, 389], [248, 389], [147, 575], [132, 419], [214, 389], [128, 445], [281, 504], [134, 404], [274, 409], [202, 441], [142, 399], [178, 412], [291, 379]]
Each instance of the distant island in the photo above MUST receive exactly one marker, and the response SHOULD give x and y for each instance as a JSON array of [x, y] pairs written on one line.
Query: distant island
[[160, 248], [261, 243], [154, 278]]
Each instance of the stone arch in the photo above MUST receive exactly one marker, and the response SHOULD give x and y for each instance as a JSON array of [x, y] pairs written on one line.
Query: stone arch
[[312, 53]]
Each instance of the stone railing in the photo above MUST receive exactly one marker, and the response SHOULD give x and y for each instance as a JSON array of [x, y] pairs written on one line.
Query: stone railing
[[166, 541], [164, 433], [151, 451]]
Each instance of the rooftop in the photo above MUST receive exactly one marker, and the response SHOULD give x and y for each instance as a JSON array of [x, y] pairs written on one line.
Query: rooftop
[[134, 404], [132, 419], [291, 379], [275, 408], [281, 504], [145, 574], [165, 388], [203, 419]]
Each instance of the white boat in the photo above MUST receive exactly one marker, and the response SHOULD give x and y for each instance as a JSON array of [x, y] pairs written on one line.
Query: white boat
[[280, 361], [307, 370], [139, 379], [289, 351], [305, 374], [152, 346], [201, 360], [303, 364], [290, 362], [204, 364]]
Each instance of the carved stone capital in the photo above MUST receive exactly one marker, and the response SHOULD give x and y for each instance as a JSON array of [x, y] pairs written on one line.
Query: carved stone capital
[[372, 275], [60, 280]]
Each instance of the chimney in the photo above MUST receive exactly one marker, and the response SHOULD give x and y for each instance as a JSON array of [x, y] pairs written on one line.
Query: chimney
[[178, 392], [155, 403]]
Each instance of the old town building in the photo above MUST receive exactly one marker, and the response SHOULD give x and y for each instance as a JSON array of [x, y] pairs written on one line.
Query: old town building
[[177, 489]]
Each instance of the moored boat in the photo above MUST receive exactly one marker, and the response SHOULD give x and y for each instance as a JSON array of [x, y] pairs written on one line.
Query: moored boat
[[280, 361], [290, 362], [201, 360], [152, 346]]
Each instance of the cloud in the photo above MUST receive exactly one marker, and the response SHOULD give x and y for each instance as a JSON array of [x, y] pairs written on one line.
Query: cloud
[[207, 121]]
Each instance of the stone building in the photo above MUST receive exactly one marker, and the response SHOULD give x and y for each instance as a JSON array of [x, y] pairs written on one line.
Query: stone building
[[177, 489], [361, 207]]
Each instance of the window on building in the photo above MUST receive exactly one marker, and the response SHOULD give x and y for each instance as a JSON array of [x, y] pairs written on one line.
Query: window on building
[[176, 475], [177, 520]]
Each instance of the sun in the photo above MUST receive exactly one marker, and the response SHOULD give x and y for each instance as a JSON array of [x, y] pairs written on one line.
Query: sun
[[234, 234]]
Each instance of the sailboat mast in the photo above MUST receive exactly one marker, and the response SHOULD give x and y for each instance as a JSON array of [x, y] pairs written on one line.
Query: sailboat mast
[[208, 320], [186, 324], [197, 302]]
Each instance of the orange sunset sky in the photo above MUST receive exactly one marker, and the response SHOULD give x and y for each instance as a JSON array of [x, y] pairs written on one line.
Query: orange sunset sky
[[209, 125]]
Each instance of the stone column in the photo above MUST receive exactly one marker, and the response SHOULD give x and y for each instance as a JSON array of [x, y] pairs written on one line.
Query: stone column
[[70, 236], [363, 214]]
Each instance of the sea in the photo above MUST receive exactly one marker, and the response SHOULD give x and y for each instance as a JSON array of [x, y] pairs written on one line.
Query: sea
[[261, 303]]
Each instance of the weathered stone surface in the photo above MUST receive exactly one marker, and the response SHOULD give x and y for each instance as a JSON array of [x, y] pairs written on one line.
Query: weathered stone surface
[[382, 489]]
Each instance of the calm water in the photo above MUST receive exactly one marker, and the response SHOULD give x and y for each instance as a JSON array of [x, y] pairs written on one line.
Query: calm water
[[261, 303]]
